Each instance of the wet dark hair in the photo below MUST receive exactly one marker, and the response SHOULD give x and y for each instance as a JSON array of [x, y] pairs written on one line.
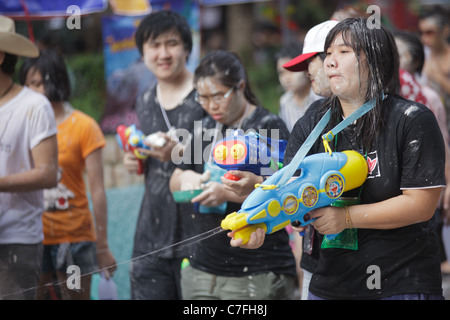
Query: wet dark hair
[[228, 69], [440, 14], [160, 22], [321, 55], [379, 47], [9, 64], [415, 48], [54, 74]]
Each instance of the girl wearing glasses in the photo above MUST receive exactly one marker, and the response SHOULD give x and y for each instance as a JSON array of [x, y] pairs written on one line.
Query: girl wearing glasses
[[216, 270]]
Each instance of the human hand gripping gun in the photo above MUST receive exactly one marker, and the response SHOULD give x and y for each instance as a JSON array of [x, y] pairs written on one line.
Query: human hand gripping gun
[[250, 152], [130, 139], [323, 179]]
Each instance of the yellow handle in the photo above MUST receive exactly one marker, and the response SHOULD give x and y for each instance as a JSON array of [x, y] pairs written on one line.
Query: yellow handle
[[327, 138], [266, 187], [246, 232]]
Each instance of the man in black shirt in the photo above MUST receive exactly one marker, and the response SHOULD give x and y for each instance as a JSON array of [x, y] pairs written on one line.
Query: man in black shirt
[[164, 41]]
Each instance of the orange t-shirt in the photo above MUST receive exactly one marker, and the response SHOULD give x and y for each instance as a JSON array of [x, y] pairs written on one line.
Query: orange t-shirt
[[68, 217]]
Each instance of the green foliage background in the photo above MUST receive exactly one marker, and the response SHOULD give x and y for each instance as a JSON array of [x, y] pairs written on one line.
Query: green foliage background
[[88, 83]]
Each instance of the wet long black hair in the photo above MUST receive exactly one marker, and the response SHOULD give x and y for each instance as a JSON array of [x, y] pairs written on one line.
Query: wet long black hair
[[228, 69], [379, 47], [54, 74]]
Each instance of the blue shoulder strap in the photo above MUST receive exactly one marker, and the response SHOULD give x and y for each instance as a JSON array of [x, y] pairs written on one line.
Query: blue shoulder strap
[[306, 146], [304, 149]]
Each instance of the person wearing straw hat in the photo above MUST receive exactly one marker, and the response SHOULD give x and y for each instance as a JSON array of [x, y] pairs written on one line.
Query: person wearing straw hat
[[28, 164]]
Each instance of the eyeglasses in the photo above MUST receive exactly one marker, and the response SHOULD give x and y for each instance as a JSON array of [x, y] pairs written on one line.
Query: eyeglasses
[[217, 98]]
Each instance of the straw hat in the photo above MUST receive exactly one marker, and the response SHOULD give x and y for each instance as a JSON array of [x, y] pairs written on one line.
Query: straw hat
[[14, 43]]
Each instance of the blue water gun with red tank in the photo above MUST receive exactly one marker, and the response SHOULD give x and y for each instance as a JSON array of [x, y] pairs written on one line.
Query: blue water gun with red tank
[[249, 152]]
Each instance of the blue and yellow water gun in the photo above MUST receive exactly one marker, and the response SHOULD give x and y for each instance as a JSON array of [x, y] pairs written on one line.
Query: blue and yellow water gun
[[323, 179], [250, 152]]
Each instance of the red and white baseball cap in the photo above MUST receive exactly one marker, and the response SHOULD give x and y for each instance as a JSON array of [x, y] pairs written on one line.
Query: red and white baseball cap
[[314, 43]]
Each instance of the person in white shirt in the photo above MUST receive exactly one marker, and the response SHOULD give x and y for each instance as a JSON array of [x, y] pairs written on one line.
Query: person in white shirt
[[28, 164]]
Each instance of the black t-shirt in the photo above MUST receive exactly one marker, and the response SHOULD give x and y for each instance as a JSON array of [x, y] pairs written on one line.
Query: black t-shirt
[[160, 223], [215, 255], [312, 239], [407, 153]]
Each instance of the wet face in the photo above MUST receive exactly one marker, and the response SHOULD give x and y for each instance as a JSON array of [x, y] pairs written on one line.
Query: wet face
[[224, 104], [318, 78], [34, 81], [347, 77], [291, 81], [165, 55]]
